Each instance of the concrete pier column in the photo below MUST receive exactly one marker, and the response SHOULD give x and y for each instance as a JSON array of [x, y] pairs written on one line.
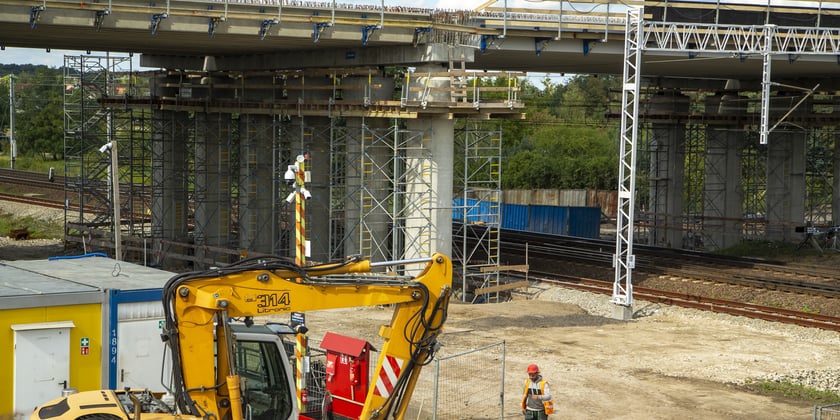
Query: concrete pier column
[[835, 196], [378, 184], [317, 146], [439, 141], [212, 180], [170, 194], [785, 197], [667, 174], [350, 194], [257, 189], [436, 146], [371, 152], [722, 194], [308, 135]]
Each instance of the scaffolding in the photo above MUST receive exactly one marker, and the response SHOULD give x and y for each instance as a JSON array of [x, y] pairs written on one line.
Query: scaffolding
[[93, 178], [381, 183], [477, 207], [215, 149]]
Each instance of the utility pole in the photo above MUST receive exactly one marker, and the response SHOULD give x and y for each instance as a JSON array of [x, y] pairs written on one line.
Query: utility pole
[[12, 142]]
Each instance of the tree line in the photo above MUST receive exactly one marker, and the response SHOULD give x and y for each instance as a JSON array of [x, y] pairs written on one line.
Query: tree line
[[566, 141]]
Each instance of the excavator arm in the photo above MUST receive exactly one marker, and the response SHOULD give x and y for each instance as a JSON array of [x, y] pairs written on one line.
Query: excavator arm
[[199, 305]]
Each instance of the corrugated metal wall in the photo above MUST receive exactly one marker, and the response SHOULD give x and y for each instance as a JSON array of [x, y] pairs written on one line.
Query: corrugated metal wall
[[557, 220], [606, 200]]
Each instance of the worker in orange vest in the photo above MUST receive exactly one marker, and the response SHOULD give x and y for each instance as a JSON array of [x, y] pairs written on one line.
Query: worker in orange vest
[[536, 400]]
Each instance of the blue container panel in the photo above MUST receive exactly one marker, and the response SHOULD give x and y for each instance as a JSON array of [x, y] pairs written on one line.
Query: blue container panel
[[548, 219], [484, 212], [585, 222], [515, 216]]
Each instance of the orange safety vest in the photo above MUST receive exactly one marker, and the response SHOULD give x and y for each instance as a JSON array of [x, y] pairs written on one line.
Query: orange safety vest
[[547, 405]]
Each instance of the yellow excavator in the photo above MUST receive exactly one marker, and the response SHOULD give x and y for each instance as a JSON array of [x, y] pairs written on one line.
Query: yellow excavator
[[224, 373]]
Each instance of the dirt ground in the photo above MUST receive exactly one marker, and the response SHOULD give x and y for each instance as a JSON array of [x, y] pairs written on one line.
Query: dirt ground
[[667, 363]]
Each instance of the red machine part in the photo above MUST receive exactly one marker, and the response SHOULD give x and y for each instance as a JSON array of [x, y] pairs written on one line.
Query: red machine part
[[347, 371]]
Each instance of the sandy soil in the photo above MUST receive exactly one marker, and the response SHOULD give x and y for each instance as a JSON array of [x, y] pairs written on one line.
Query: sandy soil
[[667, 363]]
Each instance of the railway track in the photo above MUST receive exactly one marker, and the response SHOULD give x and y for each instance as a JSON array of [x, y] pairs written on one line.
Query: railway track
[[546, 250], [32, 200], [731, 307], [771, 290], [32, 179], [665, 265]]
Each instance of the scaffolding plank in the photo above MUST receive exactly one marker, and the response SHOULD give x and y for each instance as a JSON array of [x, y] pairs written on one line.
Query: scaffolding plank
[[521, 268], [502, 287]]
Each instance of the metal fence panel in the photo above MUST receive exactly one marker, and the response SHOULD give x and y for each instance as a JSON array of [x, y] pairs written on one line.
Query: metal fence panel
[[447, 389], [827, 412]]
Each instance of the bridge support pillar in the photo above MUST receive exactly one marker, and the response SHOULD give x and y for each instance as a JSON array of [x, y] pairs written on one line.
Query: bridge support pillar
[[722, 193], [257, 183], [667, 177], [213, 144], [169, 193], [835, 196], [316, 143], [785, 198], [436, 148]]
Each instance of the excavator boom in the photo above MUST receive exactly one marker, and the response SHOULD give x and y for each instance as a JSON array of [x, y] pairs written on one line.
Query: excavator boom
[[198, 306]]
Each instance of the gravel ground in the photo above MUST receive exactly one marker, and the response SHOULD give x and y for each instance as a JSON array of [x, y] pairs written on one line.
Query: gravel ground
[[11, 249], [822, 379]]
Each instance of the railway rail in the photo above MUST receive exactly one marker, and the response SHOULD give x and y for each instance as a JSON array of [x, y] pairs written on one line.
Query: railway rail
[[768, 313], [678, 264], [32, 179], [756, 288], [31, 200]]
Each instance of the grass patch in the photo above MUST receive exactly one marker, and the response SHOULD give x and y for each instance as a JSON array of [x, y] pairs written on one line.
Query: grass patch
[[780, 251], [38, 229], [794, 391], [32, 164]]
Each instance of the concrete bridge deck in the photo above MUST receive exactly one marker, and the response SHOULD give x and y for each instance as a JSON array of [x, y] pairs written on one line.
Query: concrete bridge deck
[[557, 37]]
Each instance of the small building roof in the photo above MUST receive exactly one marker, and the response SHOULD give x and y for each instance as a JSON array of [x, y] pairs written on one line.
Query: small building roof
[[79, 276]]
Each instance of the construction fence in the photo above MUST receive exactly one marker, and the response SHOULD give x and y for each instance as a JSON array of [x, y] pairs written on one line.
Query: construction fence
[[827, 412], [446, 388]]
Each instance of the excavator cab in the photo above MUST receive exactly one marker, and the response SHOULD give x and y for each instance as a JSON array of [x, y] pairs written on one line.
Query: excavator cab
[[266, 377]]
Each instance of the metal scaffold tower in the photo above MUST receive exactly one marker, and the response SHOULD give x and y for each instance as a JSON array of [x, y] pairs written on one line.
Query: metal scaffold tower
[[295, 138], [820, 176], [107, 152], [345, 180], [477, 207], [259, 145], [172, 189], [382, 186]]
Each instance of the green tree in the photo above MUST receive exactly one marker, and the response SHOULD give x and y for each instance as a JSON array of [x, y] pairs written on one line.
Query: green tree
[[586, 98], [40, 114], [563, 157]]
